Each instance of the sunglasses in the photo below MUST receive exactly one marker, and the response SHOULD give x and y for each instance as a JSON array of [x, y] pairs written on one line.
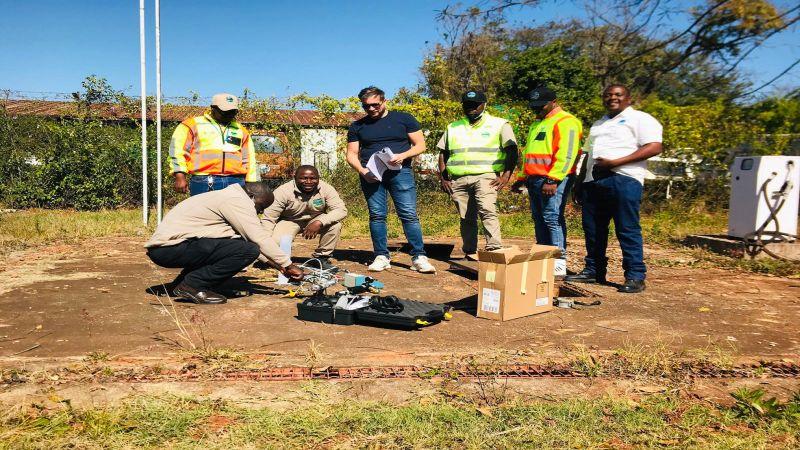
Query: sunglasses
[[371, 105]]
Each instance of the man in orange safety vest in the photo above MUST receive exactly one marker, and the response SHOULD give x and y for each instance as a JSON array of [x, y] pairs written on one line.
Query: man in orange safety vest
[[214, 149]]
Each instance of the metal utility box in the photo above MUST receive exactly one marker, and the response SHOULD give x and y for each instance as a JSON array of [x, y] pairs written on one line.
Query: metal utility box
[[759, 183]]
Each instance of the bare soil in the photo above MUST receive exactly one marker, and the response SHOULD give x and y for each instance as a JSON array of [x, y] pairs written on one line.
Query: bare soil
[[70, 300], [83, 309]]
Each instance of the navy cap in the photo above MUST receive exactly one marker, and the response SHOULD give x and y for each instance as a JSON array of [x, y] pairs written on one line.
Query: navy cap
[[473, 97], [541, 96]]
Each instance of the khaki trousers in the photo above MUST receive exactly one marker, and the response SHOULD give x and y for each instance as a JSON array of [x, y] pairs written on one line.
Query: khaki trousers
[[474, 198], [328, 235]]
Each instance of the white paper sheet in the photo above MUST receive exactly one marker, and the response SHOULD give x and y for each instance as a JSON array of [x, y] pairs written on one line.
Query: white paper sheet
[[286, 246], [379, 162]]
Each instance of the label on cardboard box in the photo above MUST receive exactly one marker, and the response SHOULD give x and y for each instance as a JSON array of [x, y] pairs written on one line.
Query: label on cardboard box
[[491, 300], [542, 294]]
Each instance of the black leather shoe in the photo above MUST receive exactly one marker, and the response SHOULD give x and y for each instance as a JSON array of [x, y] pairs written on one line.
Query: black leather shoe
[[161, 290], [200, 297], [632, 287], [165, 289], [583, 277]]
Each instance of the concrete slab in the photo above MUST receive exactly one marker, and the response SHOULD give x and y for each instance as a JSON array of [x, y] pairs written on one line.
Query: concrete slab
[[734, 247]]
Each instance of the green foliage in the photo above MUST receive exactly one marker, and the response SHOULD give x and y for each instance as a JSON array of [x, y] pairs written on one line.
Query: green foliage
[[777, 115], [83, 164], [87, 163], [751, 404], [706, 130], [562, 69]]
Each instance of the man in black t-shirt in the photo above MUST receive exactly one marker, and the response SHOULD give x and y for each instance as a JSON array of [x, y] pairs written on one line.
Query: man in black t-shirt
[[399, 132]]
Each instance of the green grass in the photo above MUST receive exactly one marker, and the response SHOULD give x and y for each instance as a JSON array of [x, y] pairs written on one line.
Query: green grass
[[674, 222], [22, 229], [161, 422]]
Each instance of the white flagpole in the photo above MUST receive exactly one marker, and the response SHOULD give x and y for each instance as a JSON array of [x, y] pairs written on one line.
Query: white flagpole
[[158, 111], [145, 204]]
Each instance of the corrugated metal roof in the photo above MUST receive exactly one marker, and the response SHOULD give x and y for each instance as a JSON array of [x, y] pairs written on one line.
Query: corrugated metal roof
[[174, 113]]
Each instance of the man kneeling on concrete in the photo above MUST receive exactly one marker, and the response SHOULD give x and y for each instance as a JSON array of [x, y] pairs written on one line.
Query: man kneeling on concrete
[[213, 236], [309, 206]]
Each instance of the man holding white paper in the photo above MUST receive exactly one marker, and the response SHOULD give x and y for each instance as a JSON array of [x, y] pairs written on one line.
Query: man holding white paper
[[380, 162], [401, 134]]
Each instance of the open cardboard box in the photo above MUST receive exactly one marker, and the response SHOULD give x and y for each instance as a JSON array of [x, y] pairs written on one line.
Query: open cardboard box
[[513, 283]]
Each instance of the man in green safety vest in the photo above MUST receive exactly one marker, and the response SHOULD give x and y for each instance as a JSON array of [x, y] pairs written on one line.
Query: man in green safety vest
[[478, 154]]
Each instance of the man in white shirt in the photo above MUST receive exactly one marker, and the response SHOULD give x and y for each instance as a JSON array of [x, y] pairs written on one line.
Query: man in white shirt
[[617, 150]]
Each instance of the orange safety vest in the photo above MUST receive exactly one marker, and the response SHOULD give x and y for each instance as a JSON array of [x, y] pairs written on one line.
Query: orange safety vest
[[201, 146], [553, 147]]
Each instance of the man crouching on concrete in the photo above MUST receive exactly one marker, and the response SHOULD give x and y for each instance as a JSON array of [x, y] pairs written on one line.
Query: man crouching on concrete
[[213, 236], [308, 206]]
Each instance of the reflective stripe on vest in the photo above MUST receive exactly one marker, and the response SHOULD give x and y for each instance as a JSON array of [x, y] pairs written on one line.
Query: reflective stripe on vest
[[475, 149], [215, 149], [540, 151]]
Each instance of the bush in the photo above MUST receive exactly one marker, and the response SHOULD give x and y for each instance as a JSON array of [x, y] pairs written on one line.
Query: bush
[[82, 164]]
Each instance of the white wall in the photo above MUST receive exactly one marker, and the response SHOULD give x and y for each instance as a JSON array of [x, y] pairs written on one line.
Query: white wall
[[318, 148]]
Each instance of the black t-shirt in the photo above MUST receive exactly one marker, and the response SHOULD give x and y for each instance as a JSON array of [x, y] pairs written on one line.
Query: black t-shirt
[[390, 131]]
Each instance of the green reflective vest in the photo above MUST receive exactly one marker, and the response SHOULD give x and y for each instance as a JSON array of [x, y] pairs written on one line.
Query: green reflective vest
[[475, 149]]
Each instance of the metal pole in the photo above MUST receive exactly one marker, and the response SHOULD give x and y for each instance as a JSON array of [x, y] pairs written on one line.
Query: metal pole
[[145, 204], [158, 111]]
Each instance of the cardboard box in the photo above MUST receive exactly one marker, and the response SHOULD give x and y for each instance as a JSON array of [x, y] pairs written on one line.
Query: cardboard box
[[513, 283]]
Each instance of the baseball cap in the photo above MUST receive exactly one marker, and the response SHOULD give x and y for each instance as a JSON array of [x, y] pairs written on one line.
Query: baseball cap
[[541, 96], [225, 102], [473, 97]]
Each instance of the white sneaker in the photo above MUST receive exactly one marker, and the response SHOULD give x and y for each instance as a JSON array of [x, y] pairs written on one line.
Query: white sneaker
[[380, 264], [422, 265], [560, 268]]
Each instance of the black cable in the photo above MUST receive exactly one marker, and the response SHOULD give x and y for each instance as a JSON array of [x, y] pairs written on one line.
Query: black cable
[[388, 304], [754, 242]]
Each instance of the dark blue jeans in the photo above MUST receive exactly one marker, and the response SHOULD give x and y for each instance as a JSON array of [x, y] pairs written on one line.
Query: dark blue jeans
[[401, 186], [549, 223], [616, 197], [199, 184]]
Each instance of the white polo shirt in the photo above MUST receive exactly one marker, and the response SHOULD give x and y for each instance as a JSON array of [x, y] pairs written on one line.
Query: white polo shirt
[[619, 136]]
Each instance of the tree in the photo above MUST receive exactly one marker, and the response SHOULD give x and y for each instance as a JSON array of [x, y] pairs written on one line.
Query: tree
[[561, 68], [476, 61], [637, 41]]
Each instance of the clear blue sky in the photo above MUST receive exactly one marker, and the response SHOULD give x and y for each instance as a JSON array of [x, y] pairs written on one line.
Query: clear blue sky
[[274, 48]]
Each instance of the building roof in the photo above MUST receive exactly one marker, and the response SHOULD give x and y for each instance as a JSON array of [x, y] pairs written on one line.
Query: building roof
[[174, 113]]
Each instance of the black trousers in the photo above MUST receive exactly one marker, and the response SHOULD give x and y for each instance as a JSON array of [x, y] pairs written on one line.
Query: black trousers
[[206, 262]]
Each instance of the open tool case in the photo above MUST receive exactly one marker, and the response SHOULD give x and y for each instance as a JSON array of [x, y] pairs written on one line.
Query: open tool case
[[389, 312]]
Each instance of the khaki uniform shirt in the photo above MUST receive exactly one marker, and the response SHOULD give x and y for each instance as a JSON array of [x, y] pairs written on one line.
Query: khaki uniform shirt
[[226, 213], [324, 204]]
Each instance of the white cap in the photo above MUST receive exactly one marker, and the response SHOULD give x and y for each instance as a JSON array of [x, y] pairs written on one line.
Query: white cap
[[225, 102]]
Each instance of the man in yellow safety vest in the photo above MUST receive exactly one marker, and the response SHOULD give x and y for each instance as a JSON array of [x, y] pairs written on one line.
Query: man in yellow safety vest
[[478, 154], [214, 149], [548, 169]]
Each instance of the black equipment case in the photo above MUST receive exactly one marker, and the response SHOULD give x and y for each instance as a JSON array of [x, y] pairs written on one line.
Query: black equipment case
[[382, 311]]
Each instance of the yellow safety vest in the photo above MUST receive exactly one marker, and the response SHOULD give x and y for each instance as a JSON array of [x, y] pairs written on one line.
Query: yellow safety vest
[[475, 149], [201, 146]]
